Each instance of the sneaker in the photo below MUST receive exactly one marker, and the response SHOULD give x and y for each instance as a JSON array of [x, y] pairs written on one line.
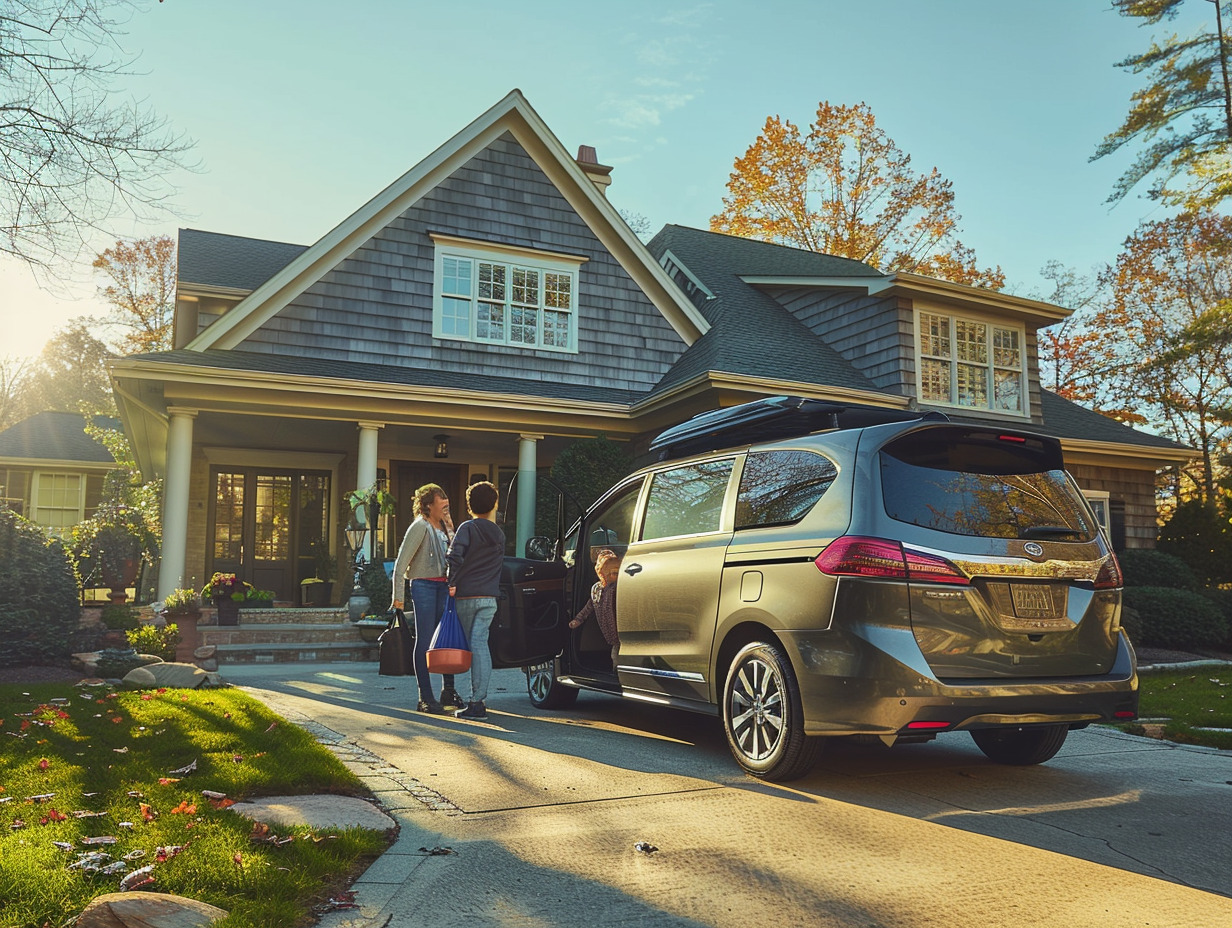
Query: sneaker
[[475, 710], [431, 706], [451, 699]]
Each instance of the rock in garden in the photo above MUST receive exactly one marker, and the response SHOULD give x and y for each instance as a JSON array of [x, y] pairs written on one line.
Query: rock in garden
[[147, 910], [205, 651], [140, 678], [177, 675]]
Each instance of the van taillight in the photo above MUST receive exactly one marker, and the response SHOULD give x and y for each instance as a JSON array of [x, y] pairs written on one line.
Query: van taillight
[[883, 559], [1109, 576]]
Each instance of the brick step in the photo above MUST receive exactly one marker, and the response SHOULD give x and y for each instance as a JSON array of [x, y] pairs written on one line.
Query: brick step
[[323, 615], [309, 633], [296, 652]]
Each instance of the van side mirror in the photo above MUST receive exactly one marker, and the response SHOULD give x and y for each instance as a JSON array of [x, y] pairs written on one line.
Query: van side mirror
[[540, 548]]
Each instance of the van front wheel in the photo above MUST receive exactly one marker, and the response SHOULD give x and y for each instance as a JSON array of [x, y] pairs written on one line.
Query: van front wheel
[[763, 716]]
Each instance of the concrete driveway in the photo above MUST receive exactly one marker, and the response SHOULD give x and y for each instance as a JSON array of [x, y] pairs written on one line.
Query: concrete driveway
[[542, 812]]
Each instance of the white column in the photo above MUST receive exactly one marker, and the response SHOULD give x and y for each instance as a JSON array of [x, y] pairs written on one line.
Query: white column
[[527, 474], [365, 460], [175, 500]]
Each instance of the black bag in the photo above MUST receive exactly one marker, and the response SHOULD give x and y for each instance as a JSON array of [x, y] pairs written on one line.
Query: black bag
[[397, 646]]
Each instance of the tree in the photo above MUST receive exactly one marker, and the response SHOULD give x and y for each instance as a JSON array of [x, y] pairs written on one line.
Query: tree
[[71, 374], [14, 374], [1171, 274], [846, 189], [74, 153], [1183, 115], [141, 291]]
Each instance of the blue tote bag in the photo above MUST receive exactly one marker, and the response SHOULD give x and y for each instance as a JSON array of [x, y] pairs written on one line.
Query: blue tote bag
[[449, 651]]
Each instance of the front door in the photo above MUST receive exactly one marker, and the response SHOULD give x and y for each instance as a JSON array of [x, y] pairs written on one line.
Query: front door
[[414, 474], [270, 527]]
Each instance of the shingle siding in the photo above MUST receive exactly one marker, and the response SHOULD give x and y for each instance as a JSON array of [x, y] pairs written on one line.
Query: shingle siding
[[375, 307], [1134, 488]]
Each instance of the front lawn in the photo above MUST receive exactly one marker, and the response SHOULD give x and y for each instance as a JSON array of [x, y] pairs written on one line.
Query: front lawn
[[144, 779], [1190, 701]]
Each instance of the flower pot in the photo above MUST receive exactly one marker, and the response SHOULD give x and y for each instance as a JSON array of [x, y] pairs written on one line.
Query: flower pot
[[228, 611], [189, 642], [316, 594]]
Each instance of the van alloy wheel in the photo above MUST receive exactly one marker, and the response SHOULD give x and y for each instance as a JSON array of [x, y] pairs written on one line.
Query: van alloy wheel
[[545, 691], [763, 717]]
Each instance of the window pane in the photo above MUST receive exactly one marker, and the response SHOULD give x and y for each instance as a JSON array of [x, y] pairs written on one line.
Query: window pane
[[273, 516], [972, 385], [490, 322], [780, 487], [58, 501], [455, 317], [492, 281], [457, 276], [557, 291], [556, 329], [523, 326], [686, 500], [972, 341], [612, 526], [935, 335], [935, 380], [1006, 351], [228, 516], [1007, 386]]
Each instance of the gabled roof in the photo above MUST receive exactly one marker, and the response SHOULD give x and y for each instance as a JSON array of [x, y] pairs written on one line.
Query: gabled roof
[[56, 437], [751, 333], [210, 260], [1066, 419], [514, 115]]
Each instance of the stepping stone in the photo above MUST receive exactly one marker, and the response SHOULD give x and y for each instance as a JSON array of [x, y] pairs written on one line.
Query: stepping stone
[[147, 910], [316, 812]]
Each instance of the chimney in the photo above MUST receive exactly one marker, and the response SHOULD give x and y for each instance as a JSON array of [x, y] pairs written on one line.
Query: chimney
[[588, 161]]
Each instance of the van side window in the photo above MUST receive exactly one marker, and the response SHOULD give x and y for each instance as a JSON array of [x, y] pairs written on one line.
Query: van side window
[[780, 487], [612, 526], [687, 500]]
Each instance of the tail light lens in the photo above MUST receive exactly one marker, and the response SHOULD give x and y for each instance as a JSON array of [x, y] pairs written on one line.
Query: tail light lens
[[883, 559], [1109, 576]]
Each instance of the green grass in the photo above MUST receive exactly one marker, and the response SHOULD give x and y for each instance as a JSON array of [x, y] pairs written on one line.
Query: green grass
[[1189, 700], [102, 751]]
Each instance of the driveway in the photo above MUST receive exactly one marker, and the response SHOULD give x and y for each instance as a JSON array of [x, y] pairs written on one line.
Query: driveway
[[542, 812]]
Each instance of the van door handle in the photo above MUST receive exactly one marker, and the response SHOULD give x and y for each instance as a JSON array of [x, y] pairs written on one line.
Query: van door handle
[[633, 569]]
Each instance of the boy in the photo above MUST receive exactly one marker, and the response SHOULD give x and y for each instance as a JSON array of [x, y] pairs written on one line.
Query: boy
[[473, 572]]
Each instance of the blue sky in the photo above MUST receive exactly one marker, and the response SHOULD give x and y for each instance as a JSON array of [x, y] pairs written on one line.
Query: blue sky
[[302, 109]]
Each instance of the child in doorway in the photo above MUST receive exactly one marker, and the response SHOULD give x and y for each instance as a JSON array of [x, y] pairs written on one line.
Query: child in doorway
[[602, 603]]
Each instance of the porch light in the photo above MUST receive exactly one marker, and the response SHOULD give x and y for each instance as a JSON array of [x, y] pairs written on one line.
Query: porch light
[[442, 446], [355, 534]]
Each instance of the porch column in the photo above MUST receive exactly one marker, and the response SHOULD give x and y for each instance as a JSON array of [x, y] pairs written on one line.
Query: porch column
[[527, 475], [175, 500], [365, 460]]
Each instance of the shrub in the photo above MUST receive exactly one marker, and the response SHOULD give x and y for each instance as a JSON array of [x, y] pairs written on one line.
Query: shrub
[[116, 662], [119, 617], [1200, 535], [1173, 618], [181, 601], [1223, 602], [1144, 567], [376, 587], [39, 610], [155, 639]]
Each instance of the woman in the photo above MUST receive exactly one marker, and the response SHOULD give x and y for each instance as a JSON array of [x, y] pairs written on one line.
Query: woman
[[421, 559]]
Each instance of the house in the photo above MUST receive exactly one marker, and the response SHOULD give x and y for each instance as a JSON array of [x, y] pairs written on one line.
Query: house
[[491, 306], [51, 471]]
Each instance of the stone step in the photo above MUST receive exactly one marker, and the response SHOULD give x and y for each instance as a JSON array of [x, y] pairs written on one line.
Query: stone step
[[323, 615], [296, 652], [290, 641]]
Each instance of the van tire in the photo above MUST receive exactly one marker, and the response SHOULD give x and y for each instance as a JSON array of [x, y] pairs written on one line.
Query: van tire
[[545, 691], [1020, 747], [763, 717]]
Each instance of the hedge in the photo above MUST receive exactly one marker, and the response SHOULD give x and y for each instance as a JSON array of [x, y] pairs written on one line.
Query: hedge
[[1172, 618], [39, 611], [1146, 567]]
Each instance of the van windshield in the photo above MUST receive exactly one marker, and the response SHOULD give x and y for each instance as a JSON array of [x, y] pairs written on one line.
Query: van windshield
[[971, 482]]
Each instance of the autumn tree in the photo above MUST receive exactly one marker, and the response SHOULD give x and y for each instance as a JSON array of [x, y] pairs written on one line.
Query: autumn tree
[[846, 189], [1183, 114], [75, 152], [70, 374], [14, 374], [141, 292], [1171, 276]]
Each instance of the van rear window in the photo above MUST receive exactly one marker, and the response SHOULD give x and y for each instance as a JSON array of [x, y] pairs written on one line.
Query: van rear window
[[985, 483]]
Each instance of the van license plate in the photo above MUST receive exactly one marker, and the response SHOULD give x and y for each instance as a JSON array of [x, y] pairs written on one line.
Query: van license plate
[[1032, 602]]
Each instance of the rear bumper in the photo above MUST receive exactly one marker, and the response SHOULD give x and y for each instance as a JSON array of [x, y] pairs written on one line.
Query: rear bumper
[[877, 682]]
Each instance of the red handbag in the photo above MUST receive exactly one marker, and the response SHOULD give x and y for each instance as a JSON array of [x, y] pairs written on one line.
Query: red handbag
[[449, 651]]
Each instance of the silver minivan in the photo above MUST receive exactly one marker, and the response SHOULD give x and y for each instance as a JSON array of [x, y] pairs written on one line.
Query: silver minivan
[[807, 571]]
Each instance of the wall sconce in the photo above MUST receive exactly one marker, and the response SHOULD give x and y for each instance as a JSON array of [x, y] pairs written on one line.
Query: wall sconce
[[442, 446]]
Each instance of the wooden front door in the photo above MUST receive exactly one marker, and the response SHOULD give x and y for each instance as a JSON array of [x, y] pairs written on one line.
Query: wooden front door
[[270, 527], [411, 476]]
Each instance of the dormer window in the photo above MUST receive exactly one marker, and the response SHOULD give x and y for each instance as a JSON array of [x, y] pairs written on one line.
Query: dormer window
[[505, 296], [970, 363]]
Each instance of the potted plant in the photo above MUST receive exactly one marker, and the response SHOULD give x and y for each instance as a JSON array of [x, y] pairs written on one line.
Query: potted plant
[[115, 541], [227, 592], [180, 603], [257, 599], [318, 590]]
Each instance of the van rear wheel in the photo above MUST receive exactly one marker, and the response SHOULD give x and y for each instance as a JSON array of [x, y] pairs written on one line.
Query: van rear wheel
[[763, 716], [1023, 746], [545, 691]]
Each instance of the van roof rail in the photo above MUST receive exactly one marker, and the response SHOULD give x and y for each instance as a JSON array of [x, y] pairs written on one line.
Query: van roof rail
[[776, 417]]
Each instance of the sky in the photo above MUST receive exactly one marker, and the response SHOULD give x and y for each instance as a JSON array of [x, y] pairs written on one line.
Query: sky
[[302, 110]]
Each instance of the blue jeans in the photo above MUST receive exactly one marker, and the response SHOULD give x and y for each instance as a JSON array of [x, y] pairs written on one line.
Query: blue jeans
[[476, 614], [428, 597]]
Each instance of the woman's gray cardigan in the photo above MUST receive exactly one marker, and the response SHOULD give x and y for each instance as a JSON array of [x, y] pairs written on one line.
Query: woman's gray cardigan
[[421, 555]]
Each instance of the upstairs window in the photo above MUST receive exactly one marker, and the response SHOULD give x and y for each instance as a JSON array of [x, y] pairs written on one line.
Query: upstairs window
[[971, 363], [516, 297]]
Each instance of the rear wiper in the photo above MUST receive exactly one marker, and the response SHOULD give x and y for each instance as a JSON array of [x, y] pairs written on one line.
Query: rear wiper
[[1047, 531]]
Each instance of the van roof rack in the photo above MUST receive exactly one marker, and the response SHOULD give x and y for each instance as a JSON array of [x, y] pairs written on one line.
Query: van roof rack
[[776, 417]]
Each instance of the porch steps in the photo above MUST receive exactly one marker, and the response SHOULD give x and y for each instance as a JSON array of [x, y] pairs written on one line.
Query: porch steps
[[286, 635]]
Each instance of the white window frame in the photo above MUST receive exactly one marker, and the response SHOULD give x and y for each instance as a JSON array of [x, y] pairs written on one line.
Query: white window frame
[[990, 365], [37, 511], [1103, 512], [512, 259]]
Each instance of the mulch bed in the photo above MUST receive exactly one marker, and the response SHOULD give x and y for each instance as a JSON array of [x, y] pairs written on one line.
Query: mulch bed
[[40, 673]]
